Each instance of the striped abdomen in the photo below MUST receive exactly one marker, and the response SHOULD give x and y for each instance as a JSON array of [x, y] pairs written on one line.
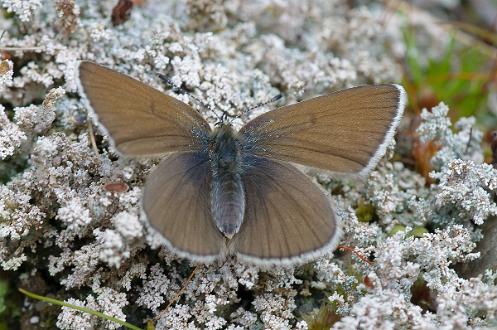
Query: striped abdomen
[[227, 192], [228, 202]]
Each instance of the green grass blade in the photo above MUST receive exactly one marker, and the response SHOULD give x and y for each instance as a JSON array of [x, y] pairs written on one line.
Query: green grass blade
[[79, 308]]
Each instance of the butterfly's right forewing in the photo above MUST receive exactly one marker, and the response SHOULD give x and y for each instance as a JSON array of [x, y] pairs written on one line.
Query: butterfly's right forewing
[[346, 131], [176, 200]]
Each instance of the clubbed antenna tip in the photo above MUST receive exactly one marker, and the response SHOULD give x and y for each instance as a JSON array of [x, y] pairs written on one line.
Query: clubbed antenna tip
[[170, 83]]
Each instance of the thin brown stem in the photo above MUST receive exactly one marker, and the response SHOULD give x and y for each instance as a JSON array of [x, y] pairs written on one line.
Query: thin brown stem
[[13, 49], [91, 134], [359, 255], [178, 295]]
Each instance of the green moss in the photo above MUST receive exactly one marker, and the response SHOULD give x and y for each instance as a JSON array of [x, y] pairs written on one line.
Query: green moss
[[365, 212], [396, 228], [418, 231], [7, 15]]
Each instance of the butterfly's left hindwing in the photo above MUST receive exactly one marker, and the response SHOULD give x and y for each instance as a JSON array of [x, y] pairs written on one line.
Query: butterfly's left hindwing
[[176, 200]]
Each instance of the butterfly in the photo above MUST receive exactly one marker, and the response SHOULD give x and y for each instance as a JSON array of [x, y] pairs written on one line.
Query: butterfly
[[219, 191]]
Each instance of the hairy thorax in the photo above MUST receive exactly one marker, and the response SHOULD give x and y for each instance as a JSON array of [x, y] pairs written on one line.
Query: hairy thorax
[[227, 193]]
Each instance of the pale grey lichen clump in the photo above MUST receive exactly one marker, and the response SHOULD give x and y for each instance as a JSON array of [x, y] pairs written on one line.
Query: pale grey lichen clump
[[92, 246]]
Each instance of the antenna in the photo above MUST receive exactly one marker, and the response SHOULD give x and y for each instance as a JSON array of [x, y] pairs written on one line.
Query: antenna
[[181, 90], [225, 115], [273, 99]]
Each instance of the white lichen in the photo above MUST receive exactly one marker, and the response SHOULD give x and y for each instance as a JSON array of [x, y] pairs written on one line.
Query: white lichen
[[56, 167], [22, 8], [11, 136]]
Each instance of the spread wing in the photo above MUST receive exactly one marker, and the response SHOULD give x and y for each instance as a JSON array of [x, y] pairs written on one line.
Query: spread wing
[[288, 218], [176, 200], [346, 131], [141, 120]]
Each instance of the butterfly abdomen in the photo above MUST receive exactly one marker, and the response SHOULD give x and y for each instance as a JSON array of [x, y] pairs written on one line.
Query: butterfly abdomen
[[227, 192], [228, 203]]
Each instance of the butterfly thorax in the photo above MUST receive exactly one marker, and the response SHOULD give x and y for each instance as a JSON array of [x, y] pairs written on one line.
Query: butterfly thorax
[[227, 193]]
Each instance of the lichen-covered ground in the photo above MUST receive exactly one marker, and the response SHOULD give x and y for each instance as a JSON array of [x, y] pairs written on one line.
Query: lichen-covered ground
[[70, 223]]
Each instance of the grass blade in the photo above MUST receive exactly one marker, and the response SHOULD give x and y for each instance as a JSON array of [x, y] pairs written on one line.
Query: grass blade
[[79, 308]]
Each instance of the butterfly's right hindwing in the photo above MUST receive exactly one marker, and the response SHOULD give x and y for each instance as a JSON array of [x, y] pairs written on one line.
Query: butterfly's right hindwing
[[288, 218]]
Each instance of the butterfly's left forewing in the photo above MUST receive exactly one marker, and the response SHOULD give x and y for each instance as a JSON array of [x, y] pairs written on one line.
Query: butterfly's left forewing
[[141, 120]]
